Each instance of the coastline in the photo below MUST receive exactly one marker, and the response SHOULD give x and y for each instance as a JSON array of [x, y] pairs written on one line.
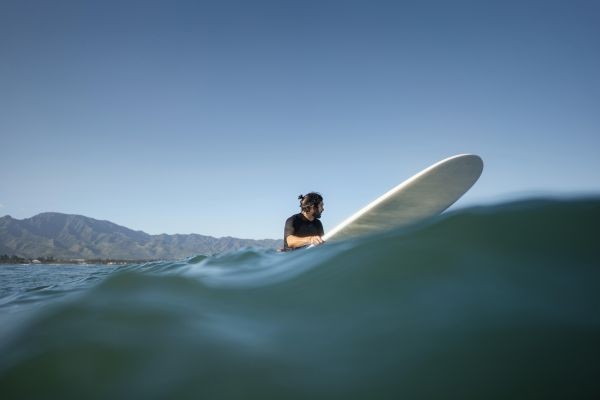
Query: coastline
[[13, 260]]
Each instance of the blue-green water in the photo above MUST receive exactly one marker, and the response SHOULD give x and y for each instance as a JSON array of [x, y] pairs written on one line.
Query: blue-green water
[[495, 302]]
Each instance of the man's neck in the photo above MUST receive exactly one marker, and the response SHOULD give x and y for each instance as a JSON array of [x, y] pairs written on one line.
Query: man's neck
[[308, 216]]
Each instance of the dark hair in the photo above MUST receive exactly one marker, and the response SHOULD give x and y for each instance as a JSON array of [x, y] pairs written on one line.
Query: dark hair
[[309, 200]]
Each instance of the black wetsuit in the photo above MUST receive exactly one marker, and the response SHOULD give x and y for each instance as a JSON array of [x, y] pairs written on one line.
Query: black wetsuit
[[298, 225]]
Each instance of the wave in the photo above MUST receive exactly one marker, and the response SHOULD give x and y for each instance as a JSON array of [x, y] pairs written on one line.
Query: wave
[[492, 302]]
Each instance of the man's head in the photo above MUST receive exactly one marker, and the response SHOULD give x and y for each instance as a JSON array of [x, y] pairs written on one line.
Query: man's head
[[312, 203]]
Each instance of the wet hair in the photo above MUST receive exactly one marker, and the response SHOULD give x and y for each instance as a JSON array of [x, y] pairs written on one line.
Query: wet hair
[[310, 200]]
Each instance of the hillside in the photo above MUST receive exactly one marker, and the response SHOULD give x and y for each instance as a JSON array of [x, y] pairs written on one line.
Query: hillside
[[75, 236]]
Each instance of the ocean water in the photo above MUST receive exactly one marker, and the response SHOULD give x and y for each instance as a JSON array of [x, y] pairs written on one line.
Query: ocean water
[[491, 302]]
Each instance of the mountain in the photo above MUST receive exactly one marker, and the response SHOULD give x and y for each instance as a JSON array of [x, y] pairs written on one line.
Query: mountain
[[68, 236]]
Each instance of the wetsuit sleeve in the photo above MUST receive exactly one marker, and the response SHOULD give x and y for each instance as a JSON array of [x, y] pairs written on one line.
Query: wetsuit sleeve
[[289, 229], [321, 231]]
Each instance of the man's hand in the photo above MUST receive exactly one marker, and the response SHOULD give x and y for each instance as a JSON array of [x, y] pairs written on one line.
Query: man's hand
[[315, 240]]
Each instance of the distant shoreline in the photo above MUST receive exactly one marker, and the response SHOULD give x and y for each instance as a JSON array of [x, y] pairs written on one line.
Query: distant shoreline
[[5, 259], [71, 237]]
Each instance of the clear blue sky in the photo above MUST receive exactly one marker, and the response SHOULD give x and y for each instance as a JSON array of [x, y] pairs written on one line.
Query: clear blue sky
[[211, 117]]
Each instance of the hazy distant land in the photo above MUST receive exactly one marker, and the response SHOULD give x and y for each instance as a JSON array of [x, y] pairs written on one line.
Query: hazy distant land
[[57, 237]]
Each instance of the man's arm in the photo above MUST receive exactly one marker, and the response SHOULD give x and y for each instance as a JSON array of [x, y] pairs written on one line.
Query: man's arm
[[296, 241]]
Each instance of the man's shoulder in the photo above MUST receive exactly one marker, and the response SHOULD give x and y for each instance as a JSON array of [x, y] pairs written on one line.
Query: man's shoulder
[[319, 224], [293, 218]]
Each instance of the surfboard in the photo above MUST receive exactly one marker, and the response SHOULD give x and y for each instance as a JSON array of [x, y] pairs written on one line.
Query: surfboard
[[425, 195]]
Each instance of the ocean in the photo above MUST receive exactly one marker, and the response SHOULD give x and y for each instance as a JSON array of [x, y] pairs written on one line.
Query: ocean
[[494, 302]]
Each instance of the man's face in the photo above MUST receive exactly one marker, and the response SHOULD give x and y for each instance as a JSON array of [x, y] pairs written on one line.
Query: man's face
[[318, 210]]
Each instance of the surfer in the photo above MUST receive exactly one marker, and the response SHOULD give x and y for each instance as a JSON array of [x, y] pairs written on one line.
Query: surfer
[[305, 229]]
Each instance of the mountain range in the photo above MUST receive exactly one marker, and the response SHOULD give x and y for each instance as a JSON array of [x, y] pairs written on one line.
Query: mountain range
[[67, 236]]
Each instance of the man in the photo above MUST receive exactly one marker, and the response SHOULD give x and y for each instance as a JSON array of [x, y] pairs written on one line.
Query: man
[[304, 229]]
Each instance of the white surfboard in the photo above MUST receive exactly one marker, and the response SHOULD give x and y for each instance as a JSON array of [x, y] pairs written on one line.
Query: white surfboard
[[426, 194]]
